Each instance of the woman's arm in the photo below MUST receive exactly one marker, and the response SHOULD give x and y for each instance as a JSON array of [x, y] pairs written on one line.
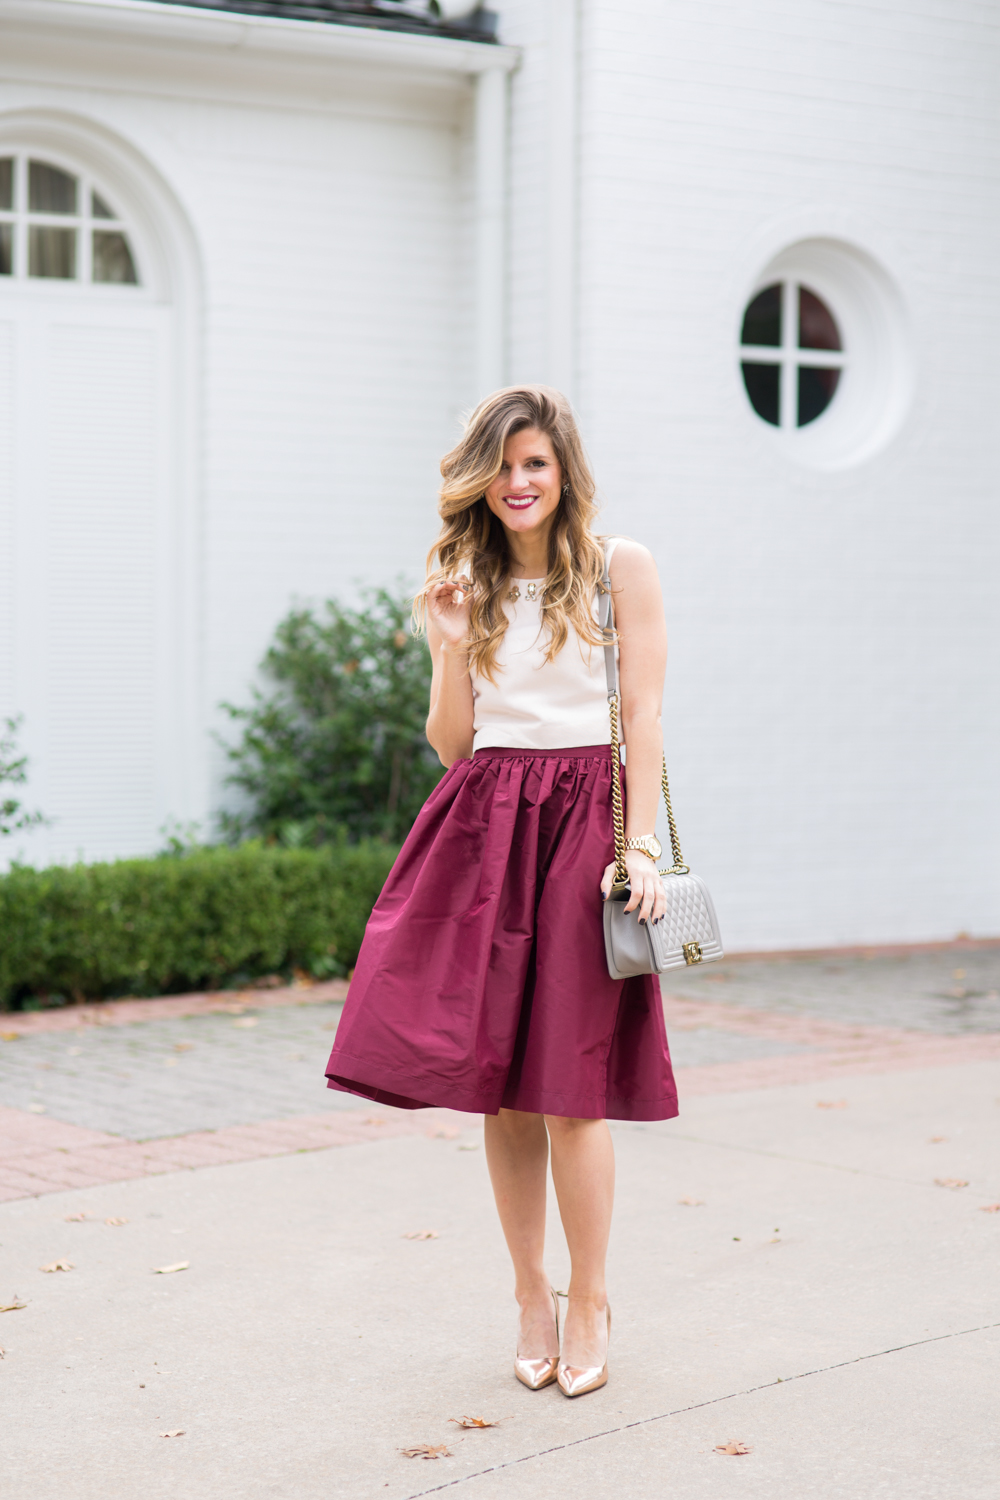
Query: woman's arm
[[449, 722], [642, 664]]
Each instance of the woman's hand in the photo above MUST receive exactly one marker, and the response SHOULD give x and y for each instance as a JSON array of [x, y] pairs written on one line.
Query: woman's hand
[[645, 884], [448, 606]]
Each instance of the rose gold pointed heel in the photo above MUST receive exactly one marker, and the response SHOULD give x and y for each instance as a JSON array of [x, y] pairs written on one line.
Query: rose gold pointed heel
[[538, 1373], [577, 1382]]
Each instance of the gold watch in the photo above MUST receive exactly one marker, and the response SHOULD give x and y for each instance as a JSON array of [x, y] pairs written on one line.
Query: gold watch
[[647, 844]]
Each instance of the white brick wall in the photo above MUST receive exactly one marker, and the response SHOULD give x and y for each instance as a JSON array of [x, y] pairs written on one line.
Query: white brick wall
[[831, 700]]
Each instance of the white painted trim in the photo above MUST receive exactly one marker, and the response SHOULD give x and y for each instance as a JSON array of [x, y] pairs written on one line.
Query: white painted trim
[[491, 237], [563, 196], [223, 31]]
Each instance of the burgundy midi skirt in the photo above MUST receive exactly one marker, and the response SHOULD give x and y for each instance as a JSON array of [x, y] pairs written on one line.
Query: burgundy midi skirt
[[482, 981]]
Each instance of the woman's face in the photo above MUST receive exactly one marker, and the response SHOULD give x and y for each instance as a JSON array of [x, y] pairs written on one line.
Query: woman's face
[[525, 493]]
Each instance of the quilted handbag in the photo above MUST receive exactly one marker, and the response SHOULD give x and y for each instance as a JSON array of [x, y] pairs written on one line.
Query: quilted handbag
[[688, 933]]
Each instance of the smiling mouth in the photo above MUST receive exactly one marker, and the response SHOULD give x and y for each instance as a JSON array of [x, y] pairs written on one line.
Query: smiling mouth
[[519, 502]]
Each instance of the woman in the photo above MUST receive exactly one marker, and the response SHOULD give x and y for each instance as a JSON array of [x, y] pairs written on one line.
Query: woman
[[482, 982]]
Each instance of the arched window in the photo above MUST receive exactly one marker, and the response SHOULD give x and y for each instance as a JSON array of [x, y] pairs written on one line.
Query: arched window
[[57, 225], [792, 354]]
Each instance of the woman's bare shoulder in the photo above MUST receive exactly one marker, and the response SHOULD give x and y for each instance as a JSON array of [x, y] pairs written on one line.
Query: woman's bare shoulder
[[631, 562]]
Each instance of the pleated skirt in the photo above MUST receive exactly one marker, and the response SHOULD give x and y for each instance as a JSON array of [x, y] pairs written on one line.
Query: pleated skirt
[[482, 982]]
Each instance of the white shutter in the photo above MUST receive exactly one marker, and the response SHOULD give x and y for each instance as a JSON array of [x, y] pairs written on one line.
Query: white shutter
[[87, 574], [101, 418], [7, 704]]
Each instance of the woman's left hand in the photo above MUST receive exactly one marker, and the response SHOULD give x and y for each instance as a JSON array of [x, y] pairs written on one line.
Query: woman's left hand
[[645, 884]]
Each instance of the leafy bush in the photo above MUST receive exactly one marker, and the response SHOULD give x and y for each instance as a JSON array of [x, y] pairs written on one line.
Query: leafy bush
[[14, 771], [338, 748], [151, 926]]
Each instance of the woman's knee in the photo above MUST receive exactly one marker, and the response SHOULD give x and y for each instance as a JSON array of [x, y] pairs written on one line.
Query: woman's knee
[[565, 1127], [515, 1122]]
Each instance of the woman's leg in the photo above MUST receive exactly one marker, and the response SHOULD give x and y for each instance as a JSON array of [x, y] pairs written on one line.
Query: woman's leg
[[583, 1171], [517, 1151]]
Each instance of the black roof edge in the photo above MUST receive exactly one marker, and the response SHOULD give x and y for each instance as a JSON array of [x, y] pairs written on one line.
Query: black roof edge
[[377, 15]]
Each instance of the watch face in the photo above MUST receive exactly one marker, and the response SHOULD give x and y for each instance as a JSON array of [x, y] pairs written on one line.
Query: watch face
[[655, 847]]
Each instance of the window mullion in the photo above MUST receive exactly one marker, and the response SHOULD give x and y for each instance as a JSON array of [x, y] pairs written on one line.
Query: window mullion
[[85, 245], [827, 359], [21, 222], [788, 394]]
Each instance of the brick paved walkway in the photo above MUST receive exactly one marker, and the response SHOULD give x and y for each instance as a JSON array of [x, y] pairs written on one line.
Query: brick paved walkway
[[951, 988], [105, 1093]]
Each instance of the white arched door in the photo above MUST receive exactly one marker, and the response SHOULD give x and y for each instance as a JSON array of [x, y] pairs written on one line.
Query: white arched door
[[86, 537]]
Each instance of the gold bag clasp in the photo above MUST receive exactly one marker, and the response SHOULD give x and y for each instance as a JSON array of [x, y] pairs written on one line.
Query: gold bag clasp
[[692, 953]]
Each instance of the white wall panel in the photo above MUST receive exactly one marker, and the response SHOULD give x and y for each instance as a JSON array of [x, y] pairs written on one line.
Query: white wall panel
[[336, 361]]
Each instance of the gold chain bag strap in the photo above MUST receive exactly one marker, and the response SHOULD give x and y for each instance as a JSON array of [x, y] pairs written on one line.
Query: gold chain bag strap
[[689, 930]]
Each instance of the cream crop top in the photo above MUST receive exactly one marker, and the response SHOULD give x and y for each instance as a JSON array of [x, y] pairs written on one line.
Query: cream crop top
[[535, 704]]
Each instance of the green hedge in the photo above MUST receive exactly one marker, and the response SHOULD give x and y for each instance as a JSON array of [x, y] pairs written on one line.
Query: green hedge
[[153, 926]]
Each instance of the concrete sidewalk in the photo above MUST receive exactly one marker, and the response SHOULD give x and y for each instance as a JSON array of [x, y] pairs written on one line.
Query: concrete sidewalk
[[824, 1301]]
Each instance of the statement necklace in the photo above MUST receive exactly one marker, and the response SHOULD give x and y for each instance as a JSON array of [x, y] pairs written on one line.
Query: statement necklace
[[532, 592]]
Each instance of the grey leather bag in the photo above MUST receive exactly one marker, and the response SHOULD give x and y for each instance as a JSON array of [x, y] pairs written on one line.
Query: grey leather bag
[[688, 933]]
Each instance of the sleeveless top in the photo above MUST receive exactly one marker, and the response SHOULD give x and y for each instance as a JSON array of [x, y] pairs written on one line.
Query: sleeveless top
[[537, 704]]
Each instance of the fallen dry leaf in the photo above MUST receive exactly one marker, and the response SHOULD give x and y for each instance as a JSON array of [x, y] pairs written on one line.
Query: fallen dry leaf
[[732, 1447], [935, 1140], [243, 1021], [329, 1026], [76, 1218], [181, 1265], [427, 1450], [175, 1432], [421, 1234], [10, 1036], [692, 1202], [473, 1147], [952, 1182], [989, 1208], [58, 1265], [14, 1306], [183, 1046], [303, 980], [831, 1103], [374, 1120], [115, 1222], [37, 1109], [474, 1422]]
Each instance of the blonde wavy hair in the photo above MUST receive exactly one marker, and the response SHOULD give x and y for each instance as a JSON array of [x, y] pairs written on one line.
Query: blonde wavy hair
[[473, 541]]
